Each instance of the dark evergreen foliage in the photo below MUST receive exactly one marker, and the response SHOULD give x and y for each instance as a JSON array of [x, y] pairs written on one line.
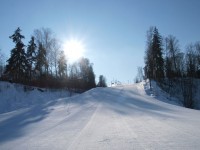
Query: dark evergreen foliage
[[157, 54], [148, 69], [154, 62], [102, 81], [17, 63], [178, 69], [31, 56], [41, 59], [33, 67]]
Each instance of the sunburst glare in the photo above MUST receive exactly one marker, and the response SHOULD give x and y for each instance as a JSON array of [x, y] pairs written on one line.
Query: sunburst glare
[[74, 49]]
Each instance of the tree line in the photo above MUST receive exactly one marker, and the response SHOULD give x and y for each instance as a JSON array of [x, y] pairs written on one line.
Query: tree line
[[171, 67], [43, 63]]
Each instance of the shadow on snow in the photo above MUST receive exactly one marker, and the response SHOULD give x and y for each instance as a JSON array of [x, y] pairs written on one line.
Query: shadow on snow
[[127, 102]]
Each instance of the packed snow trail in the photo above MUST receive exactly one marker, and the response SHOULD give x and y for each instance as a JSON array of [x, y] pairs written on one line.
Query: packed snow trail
[[103, 118]]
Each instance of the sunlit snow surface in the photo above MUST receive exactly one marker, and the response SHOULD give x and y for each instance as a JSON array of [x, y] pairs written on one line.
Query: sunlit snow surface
[[118, 118]]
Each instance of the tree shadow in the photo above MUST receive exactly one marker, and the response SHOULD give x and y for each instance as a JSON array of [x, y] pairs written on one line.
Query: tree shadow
[[132, 103], [125, 103], [14, 126]]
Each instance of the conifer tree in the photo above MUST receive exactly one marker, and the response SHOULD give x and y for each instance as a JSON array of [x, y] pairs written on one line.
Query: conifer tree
[[17, 63], [148, 69], [154, 62], [158, 61], [102, 81], [31, 55], [91, 78], [41, 59]]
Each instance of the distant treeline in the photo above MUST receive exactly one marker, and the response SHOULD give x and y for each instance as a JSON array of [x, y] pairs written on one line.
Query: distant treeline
[[43, 63], [169, 66]]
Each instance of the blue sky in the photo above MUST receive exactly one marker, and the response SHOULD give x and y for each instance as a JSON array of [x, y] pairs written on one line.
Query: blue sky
[[113, 31]]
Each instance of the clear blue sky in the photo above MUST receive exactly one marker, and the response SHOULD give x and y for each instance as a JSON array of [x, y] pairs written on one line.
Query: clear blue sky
[[114, 31]]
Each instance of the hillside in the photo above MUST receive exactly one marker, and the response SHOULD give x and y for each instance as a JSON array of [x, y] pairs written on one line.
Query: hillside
[[122, 117]]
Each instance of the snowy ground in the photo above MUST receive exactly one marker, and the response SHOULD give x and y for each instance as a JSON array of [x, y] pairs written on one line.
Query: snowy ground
[[117, 118], [159, 94], [13, 96]]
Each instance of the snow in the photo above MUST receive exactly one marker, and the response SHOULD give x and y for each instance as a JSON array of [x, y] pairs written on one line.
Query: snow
[[159, 94], [12, 96], [121, 117]]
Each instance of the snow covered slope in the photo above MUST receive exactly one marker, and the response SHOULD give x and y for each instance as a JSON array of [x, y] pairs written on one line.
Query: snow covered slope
[[13, 96], [119, 118]]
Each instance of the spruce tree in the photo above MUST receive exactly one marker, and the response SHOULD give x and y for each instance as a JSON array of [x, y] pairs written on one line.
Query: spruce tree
[[148, 69], [102, 81], [91, 78], [31, 55], [17, 63], [157, 54], [41, 59]]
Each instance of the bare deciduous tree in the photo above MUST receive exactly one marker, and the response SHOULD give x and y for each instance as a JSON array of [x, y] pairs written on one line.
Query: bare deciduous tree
[[140, 75], [45, 37]]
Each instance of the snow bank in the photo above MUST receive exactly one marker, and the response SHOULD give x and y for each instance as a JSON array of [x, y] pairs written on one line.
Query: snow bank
[[13, 96], [159, 94]]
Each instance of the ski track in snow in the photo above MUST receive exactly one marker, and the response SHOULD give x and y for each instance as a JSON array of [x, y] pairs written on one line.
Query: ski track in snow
[[122, 117]]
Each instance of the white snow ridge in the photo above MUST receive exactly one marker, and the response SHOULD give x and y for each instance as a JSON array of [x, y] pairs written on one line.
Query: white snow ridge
[[119, 118]]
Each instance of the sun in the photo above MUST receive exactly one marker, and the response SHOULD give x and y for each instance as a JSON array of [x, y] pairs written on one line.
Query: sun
[[74, 49]]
